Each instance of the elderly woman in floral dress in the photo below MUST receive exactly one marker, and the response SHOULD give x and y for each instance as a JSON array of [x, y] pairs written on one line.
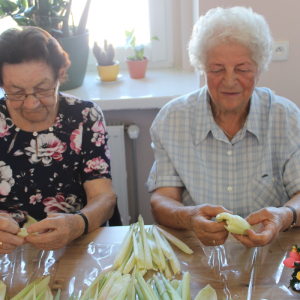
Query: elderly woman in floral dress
[[54, 160]]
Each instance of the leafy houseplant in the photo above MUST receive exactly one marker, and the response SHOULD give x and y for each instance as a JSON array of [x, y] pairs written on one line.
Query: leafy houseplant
[[137, 63], [53, 16], [108, 68]]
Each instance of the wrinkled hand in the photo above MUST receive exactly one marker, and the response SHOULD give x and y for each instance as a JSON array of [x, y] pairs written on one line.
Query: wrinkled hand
[[210, 233], [269, 222], [54, 232], [8, 230]]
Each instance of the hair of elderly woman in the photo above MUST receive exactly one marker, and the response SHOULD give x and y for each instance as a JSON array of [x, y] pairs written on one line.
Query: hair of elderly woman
[[235, 25], [18, 45]]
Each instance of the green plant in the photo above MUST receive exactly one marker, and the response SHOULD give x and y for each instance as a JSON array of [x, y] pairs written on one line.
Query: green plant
[[138, 49], [51, 15], [106, 56]]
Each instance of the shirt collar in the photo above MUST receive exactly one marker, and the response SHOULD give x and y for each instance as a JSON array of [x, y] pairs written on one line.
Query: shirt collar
[[205, 122]]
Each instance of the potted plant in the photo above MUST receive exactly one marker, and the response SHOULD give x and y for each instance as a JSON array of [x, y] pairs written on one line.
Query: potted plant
[[137, 63], [108, 68], [53, 16]]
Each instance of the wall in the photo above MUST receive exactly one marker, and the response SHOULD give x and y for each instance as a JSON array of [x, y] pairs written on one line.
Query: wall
[[283, 19], [145, 158]]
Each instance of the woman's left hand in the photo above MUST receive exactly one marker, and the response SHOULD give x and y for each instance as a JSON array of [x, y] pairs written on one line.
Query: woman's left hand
[[55, 231], [270, 220]]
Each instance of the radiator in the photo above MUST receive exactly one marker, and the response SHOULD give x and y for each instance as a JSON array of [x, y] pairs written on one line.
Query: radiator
[[116, 145]]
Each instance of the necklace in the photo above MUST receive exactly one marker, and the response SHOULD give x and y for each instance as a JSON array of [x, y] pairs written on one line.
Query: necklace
[[232, 136], [35, 134]]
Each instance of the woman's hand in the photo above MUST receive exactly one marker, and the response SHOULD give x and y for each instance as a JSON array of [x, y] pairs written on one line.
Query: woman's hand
[[271, 221], [55, 231], [9, 241], [210, 233]]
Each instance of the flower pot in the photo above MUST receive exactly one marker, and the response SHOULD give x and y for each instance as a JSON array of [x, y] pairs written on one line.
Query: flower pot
[[137, 68], [108, 73], [77, 47]]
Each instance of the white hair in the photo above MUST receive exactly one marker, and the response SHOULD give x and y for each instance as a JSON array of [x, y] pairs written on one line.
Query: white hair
[[235, 25]]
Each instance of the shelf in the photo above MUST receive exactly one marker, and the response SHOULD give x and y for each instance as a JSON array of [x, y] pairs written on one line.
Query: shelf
[[154, 91]]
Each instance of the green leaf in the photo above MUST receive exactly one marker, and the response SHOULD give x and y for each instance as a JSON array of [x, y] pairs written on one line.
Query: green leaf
[[8, 6], [133, 42], [29, 11], [154, 38], [24, 4], [129, 33], [22, 21], [128, 41], [139, 51]]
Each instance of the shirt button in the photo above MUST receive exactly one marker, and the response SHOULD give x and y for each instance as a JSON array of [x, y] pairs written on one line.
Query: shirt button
[[229, 152], [229, 189]]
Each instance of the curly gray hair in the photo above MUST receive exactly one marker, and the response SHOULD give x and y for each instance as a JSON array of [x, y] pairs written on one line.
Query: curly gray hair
[[236, 25]]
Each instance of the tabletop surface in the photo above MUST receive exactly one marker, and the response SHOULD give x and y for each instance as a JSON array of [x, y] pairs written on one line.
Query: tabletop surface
[[234, 271]]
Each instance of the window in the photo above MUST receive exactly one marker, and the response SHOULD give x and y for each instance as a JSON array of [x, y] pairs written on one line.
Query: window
[[109, 20]]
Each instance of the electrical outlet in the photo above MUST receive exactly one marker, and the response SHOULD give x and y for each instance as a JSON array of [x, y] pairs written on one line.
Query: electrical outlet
[[280, 51]]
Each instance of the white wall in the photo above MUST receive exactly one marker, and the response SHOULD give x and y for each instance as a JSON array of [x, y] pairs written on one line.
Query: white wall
[[283, 18]]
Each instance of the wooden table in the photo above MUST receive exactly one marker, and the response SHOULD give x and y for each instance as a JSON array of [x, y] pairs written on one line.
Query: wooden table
[[231, 269]]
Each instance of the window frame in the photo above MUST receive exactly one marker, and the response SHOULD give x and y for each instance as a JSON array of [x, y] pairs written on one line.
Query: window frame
[[160, 52]]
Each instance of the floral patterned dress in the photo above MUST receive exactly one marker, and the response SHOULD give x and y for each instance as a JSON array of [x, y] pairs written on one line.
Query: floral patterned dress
[[44, 174]]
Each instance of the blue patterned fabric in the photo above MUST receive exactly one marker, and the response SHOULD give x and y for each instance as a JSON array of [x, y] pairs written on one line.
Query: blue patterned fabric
[[259, 167]]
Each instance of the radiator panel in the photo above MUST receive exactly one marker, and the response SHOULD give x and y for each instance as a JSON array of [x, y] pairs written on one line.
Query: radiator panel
[[116, 146]]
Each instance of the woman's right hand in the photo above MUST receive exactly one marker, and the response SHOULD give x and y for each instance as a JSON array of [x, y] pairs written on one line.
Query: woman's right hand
[[210, 233], [9, 240], [168, 210]]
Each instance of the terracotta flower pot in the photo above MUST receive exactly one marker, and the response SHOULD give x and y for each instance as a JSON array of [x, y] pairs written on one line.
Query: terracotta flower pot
[[137, 68], [108, 73]]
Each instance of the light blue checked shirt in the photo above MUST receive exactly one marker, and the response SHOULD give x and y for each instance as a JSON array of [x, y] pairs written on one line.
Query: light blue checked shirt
[[259, 167]]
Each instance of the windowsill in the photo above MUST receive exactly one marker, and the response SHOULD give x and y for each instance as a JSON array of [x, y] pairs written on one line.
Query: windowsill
[[154, 91]]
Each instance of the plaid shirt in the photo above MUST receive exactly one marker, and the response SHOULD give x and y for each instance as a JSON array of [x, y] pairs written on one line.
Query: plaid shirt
[[259, 167]]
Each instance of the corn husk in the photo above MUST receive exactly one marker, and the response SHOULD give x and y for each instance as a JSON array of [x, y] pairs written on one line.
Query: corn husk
[[234, 223], [108, 285], [186, 289], [161, 289], [153, 249], [177, 242], [37, 288], [159, 250], [96, 281], [144, 287], [171, 291], [174, 262], [122, 266], [57, 296], [124, 248], [130, 264], [207, 293], [131, 288], [147, 253], [23, 231], [2, 290], [118, 287]]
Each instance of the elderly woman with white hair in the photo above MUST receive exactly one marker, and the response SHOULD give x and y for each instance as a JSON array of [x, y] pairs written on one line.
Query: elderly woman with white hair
[[230, 146]]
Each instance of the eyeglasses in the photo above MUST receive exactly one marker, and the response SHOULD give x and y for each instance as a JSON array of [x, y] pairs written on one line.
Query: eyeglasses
[[23, 97]]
